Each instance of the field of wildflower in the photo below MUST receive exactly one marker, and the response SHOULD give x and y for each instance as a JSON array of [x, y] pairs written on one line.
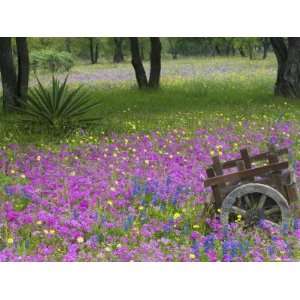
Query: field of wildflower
[[131, 188]]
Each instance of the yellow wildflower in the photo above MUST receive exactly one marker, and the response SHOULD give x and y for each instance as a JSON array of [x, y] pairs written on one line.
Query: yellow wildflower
[[176, 216], [192, 256], [10, 241]]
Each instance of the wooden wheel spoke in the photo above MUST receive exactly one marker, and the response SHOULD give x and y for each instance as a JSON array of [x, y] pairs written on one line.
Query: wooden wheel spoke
[[262, 201], [248, 202], [239, 202], [238, 211], [272, 210]]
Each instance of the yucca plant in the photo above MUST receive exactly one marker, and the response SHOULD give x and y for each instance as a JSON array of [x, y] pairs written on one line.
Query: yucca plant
[[58, 106]]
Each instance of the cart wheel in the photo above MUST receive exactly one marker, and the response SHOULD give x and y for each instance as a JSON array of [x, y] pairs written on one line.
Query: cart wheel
[[253, 202]]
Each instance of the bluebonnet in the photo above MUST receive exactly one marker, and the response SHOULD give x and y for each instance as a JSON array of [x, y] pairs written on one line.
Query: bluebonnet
[[226, 247], [103, 219], [195, 248], [244, 246], [154, 199], [209, 242], [168, 183], [143, 202], [271, 250], [235, 246], [27, 243], [296, 224], [147, 188], [138, 187], [128, 222], [8, 190], [231, 248], [167, 227], [175, 196]]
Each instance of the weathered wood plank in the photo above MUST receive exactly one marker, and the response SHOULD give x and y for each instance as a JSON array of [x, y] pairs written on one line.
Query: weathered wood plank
[[244, 174], [261, 156], [246, 158]]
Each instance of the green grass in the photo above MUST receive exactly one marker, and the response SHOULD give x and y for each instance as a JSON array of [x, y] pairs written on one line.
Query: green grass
[[245, 92]]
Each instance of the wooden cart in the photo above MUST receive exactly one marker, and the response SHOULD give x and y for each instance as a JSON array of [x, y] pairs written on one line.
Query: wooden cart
[[262, 186]]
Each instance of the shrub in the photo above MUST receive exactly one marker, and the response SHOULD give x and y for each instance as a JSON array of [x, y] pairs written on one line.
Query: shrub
[[58, 106], [51, 60]]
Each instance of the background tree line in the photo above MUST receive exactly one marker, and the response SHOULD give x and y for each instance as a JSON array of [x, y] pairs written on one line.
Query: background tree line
[[19, 55]]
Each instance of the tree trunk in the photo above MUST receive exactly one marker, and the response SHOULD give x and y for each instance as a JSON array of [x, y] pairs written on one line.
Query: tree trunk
[[91, 40], [155, 62], [23, 68], [250, 48], [265, 47], [292, 68], [96, 52], [218, 50], [287, 83], [242, 52], [142, 50], [137, 64], [8, 74], [118, 53]]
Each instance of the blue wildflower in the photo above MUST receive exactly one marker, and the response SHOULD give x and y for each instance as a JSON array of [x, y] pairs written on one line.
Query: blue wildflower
[[154, 199], [128, 222], [271, 250], [9, 190], [209, 242]]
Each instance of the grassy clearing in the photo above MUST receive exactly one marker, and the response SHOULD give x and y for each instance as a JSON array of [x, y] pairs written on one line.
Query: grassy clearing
[[224, 89]]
